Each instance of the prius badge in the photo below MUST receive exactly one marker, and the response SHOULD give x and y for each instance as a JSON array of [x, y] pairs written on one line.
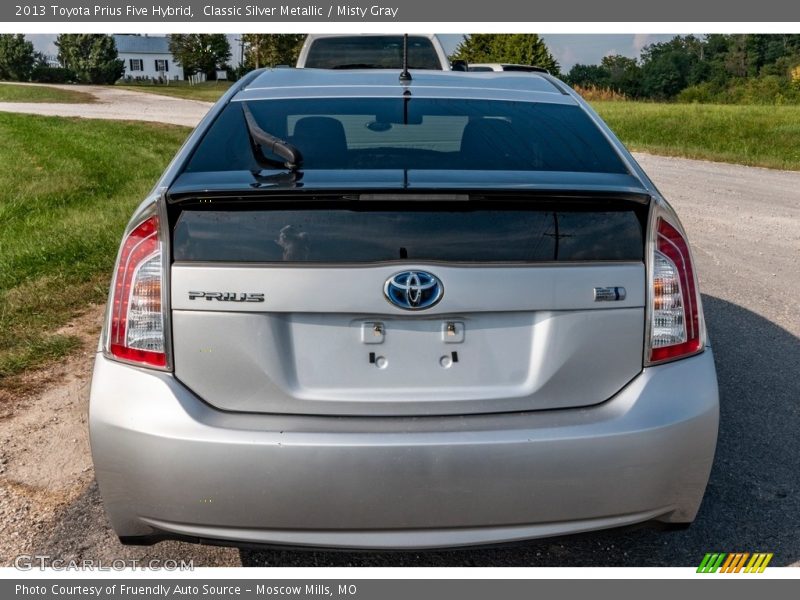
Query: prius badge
[[227, 296]]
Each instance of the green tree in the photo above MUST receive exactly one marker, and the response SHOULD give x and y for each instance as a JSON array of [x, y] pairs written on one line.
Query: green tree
[[269, 50], [711, 67], [667, 66], [735, 59], [200, 52], [624, 74], [749, 68], [516, 48], [91, 57], [16, 57], [771, 54], [588, 76]]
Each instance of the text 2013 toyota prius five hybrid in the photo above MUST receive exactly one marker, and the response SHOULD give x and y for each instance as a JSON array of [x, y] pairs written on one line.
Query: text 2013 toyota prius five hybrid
[[366, 311]]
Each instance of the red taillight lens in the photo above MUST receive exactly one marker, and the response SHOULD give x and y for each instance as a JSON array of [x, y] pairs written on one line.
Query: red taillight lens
[[675, 326], [136, 331]]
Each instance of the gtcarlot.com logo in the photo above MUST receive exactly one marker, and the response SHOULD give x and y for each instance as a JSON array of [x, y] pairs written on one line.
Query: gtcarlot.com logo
[[28, 562], [734, 562]]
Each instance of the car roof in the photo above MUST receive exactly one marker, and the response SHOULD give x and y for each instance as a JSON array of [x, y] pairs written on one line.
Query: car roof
[[287, 83]]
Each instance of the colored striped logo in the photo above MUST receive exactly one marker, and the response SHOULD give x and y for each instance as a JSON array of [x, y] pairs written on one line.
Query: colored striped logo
[[735, 562]]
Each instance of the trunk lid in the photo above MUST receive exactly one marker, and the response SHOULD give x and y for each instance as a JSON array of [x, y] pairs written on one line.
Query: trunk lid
[[281, 307]]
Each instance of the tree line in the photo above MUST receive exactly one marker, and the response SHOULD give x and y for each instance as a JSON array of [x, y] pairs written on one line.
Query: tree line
[[93, 58], [748, 68], [733, 68], [745, 68]]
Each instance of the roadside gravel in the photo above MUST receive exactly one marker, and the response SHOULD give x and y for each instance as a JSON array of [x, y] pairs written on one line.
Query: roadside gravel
[[120, 104]]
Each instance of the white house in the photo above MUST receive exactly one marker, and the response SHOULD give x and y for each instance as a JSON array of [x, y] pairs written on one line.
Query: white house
[[147, 57]]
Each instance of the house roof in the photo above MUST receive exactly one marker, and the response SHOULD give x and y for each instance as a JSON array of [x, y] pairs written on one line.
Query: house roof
[[141, 44]]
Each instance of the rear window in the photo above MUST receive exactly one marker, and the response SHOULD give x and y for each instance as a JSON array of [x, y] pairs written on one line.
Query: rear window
[[416, 133], [341, 235], [372, 52]]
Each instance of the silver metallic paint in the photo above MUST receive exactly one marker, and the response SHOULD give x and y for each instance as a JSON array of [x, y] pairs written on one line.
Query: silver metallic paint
[[167, 462]]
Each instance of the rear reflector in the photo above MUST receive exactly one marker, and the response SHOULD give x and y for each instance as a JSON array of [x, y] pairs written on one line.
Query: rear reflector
[[675, 303], [136, 331]]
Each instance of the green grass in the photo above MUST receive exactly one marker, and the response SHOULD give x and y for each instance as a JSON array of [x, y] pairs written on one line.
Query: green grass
[[42, 93], [69, 187], [764, 136], [209, 91]]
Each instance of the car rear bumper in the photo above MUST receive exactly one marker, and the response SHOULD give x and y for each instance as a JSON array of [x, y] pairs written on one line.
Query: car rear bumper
[[170, 465]]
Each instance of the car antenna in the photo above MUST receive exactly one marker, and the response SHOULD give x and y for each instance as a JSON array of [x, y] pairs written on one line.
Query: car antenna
[[405, 76]]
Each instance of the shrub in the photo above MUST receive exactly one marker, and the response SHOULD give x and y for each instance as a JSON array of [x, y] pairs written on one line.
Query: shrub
[[45, 74], [795, 75], [592, 93], [702, 93], [765, 90]]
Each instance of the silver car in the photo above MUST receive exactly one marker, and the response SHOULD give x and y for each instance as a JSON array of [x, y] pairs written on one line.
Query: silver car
[[366, 311]]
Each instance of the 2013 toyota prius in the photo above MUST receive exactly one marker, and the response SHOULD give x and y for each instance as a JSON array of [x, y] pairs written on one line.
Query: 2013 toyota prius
[[366, 311]]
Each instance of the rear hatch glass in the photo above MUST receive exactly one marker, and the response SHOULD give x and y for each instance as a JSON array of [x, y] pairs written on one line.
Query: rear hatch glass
[[487, 233], [413, 134]]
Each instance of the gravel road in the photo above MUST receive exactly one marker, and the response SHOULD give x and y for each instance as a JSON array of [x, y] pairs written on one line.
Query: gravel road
[[119, 104], [744, 225]]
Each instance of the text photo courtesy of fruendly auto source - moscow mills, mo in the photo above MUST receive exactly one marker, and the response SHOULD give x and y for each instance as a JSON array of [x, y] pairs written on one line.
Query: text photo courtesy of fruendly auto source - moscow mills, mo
[[480, 298]]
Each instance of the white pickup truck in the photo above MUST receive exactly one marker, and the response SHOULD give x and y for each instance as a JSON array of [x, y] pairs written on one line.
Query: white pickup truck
[[372, 51]]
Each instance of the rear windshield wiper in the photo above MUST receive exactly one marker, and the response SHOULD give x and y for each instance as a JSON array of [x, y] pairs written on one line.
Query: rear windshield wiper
[[261, 140]]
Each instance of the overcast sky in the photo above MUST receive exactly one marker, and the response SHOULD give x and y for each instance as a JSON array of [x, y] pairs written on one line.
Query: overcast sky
[[585, 48], [567, 48]]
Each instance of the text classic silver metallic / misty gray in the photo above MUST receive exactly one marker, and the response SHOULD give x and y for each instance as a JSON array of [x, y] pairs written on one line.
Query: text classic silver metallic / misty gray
[[366, 311]]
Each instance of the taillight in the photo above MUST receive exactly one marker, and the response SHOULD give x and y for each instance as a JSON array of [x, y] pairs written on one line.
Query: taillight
[[136, 325], [675, 314]]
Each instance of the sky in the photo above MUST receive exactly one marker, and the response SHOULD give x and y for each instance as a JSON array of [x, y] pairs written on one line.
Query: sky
[[569, 49], [585, 48]]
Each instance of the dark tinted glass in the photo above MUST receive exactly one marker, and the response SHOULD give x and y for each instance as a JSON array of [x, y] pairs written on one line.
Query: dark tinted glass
[[374, 51], [340, 235], [522, 68], [442, 134]]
